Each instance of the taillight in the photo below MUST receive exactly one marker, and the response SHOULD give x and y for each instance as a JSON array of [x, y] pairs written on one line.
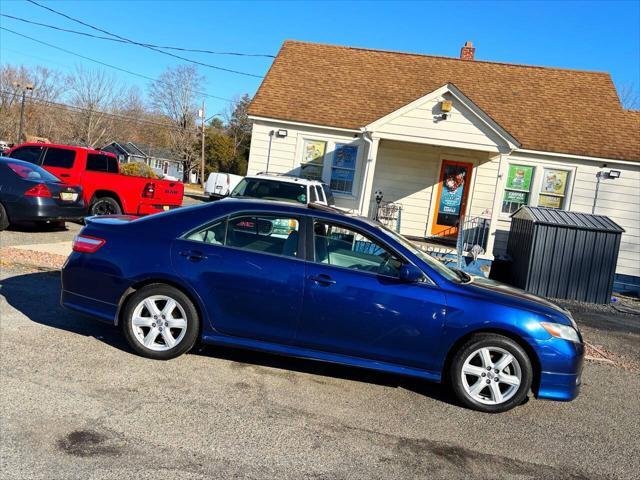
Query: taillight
[[39, 190], [149, 190], [87, 244]]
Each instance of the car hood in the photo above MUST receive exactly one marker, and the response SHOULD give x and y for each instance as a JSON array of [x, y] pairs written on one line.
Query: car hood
[[509, 294]]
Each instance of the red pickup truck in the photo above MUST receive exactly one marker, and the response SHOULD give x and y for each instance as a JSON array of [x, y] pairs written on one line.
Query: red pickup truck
[[106, 191]]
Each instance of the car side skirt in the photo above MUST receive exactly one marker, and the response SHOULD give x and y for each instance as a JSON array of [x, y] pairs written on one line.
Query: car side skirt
[[294, 351]]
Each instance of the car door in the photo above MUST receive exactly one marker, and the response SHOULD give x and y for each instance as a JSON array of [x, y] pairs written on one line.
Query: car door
[[355, 303], [60, 162], [249, 271]]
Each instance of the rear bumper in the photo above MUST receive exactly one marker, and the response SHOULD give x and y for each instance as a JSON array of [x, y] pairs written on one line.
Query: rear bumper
[[44, 209], [149, 209], [105, 312]]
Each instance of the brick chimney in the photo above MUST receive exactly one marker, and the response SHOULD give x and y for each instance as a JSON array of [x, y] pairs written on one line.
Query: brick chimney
[[467, 52]]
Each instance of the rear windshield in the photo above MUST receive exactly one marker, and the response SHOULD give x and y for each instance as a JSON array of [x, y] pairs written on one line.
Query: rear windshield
[[270, 190], [31, 172]]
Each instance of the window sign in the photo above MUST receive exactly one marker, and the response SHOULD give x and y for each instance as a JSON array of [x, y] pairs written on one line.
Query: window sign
[[343, 168], [553, 188], [518, 187], [312, 159]]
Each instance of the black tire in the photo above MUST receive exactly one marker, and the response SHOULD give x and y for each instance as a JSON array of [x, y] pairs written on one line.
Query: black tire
[[105, 206], [4, 218], [500, 343], [133, 333]]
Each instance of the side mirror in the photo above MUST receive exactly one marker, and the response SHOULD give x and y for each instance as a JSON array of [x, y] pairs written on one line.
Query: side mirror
[[411, 274]]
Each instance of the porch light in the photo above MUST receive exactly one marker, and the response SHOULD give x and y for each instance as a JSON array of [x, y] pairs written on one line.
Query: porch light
[[446, 105], [612, 174]]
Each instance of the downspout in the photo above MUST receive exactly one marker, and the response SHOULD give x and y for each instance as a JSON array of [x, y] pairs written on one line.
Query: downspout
[[367, 139]]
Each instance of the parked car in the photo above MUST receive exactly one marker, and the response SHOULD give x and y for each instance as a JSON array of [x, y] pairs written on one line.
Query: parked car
[[336, 288], [286, 188], [220, 185], [29, 193], [106, 191], [4, 146]]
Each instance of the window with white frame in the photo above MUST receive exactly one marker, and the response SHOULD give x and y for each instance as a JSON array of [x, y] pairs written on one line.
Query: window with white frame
[[312, 162], [343, 168], [517, 190]]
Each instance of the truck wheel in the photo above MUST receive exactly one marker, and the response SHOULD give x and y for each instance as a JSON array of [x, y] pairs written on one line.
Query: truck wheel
[[4, 218], [105, 206]]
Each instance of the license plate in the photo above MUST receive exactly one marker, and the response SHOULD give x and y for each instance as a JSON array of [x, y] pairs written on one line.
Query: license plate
[[68, 196], [165, 207]]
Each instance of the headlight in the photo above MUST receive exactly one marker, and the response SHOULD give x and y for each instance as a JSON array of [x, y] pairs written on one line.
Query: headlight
[[561, 331]]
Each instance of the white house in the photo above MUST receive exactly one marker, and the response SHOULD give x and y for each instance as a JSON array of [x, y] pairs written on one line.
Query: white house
[[446, 137]]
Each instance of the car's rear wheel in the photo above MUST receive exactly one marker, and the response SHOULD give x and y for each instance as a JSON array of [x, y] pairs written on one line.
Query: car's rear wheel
[[160, 322], [491, 373], [105, 206], [4, 218]]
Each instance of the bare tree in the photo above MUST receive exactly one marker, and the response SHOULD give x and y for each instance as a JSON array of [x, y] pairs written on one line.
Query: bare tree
[[174, 95], [95, 94], [629, 97]]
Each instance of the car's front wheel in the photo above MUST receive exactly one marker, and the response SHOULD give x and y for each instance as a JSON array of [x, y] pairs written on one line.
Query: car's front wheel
[[491, 373], [160, 322]]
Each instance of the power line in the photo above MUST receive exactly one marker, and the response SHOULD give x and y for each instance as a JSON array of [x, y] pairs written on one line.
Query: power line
[[164, 47], [107, 64], [77, 109], [133, 42]]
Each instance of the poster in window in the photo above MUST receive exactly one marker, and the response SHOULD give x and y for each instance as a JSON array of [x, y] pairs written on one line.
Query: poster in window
[[344, 156], [519, 177], [550, 201], [554, 181], [314, 152], [453, 185]]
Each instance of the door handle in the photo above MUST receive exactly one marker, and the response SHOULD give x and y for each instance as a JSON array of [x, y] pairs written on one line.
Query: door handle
[[65, 175], [322, 279], [193, 255]]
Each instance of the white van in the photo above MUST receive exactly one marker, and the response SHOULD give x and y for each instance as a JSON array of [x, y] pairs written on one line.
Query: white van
[[220, 185]]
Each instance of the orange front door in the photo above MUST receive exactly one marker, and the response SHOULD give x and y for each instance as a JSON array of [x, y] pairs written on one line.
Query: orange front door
[[451, 201]]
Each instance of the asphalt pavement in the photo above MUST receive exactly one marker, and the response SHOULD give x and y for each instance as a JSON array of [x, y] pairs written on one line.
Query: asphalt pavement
[[75, 402]]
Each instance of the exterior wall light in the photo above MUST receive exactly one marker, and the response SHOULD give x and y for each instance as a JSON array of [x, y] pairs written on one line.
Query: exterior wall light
[[610, 175], [282, 133]]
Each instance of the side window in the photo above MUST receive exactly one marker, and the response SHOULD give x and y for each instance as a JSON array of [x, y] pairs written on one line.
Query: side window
[[347, 248], [112, 164], [313, 195], [263, 233], [213, 234], [319, 194], [59, 157], [278, 235], [28, 154], [329, 194], [97, 162]]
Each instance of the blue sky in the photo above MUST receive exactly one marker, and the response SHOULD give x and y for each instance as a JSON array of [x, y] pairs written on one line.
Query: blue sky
[[601, 36]]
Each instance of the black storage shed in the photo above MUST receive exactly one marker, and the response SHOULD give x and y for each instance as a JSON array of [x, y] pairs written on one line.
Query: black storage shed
[[562, 254]]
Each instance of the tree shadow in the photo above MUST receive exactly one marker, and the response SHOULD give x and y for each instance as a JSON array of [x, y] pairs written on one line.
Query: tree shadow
[[37, 296]]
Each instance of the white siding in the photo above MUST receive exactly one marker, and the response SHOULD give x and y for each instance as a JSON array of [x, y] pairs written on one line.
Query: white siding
[[617, 199], [462, 126], [287, 152]]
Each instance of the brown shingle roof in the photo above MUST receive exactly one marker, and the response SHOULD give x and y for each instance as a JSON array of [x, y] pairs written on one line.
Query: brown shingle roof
[[547, 109]]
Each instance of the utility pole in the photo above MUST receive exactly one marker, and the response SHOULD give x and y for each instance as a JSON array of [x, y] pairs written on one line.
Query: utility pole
[[25, 87], [202, 179]]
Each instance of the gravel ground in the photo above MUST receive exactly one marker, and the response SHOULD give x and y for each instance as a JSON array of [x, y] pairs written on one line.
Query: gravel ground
[[76, 403]]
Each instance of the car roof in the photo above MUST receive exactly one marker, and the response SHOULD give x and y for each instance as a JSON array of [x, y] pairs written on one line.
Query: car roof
[[283, 178], [60, 145]]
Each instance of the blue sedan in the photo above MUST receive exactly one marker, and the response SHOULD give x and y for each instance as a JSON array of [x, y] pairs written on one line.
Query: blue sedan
[[311, 282]]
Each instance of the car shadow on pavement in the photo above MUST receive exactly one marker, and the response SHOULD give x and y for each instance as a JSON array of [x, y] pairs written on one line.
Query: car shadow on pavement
[[37, 296]]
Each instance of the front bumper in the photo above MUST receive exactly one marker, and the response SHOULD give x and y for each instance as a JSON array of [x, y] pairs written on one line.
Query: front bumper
[[561, 363]]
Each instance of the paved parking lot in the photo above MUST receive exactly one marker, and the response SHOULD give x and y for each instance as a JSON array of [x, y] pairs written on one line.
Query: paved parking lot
[[77, 403]]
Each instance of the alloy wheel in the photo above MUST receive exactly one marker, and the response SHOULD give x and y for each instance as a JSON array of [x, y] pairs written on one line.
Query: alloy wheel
[[491, 375], [159, 323]]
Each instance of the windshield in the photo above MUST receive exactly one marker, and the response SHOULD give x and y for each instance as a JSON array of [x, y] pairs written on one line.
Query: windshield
[[270, 190], [450, 274]]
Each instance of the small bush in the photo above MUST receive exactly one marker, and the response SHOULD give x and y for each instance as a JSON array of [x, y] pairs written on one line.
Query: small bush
[[137, 169]]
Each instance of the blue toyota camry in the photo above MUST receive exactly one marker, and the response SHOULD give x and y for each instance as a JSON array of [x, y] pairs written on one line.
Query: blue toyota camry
[[312, 282]]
